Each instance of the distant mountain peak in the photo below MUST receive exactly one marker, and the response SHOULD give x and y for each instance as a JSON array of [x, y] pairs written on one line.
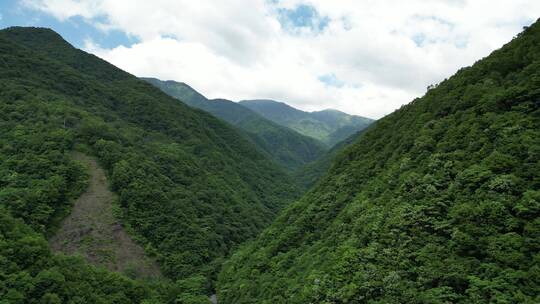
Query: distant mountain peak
[[42, 35], [330, 110], [329, 126], [180, 174], [32, 30], [285, 146]]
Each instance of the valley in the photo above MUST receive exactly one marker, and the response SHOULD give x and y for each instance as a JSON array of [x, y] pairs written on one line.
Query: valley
[[188, 185], [435, 203], [286, 147], [121, 189]]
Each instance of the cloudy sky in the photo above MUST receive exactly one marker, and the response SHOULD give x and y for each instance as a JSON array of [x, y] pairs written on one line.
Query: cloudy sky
[[365, 57]]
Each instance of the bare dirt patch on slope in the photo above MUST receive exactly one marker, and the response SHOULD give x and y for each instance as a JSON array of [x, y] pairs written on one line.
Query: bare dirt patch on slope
[[92, 231]]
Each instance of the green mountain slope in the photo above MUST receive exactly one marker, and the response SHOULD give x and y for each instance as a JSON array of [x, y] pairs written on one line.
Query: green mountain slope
[[438, 202], [309, 174], [189, 187], [328, 126], [285, 146]]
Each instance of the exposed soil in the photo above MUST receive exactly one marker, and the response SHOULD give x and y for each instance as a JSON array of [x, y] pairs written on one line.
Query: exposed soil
[[92, 231]]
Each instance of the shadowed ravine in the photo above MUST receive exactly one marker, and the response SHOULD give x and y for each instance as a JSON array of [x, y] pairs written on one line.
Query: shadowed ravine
[[92, 231]]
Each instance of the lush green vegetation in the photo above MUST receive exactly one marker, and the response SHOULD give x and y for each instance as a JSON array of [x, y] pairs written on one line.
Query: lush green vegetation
[[328, 126], [438, 202], [190, 187], [311, 173], [37, 181], [285, 146], [31, 274]]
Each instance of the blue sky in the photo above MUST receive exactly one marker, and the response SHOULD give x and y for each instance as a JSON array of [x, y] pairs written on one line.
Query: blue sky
[[362, 57], [75, 30], [302, 16]]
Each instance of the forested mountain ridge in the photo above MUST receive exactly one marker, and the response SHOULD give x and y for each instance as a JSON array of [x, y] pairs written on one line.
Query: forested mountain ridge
[[311, 173], [182, 91], [190, 187], [328, 126], [287, 147], [438, 202]]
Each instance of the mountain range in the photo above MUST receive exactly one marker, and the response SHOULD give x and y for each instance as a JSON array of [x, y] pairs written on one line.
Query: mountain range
[[437, 202], [190, 187], [328, 126], [285, 146]]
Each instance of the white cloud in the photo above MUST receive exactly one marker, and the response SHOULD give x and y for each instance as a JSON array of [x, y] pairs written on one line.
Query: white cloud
[[383, 52]]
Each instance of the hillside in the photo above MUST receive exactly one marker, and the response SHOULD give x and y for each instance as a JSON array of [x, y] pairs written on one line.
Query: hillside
[[311, 173], [328, 126], [92, 231], [190, 187], [438, 202], [285, 146]]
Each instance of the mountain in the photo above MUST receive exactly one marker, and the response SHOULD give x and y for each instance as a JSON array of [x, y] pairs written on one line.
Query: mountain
[[285, 146], [328, 126], [438, 202], [189, 187], [311, 173]]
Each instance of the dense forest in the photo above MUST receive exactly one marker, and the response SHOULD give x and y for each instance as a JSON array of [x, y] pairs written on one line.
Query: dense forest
[[285, 146], [438, 202], [328, 126], [313, 172], [190, 188]]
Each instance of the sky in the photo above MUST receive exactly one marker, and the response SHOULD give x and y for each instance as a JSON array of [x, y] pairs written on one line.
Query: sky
[[364, 57]]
